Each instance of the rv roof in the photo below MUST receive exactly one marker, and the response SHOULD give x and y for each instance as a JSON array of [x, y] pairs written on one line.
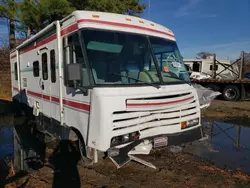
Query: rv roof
[[121, 22], [111, 21]]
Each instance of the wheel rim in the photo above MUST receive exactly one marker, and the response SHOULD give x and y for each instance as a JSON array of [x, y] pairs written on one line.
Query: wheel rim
[[230, 93]]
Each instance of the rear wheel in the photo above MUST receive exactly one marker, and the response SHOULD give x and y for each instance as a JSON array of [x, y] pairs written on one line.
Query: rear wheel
[[231, 93]]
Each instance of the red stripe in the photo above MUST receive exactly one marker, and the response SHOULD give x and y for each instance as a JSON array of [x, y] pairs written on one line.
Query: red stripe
[[76, 105], [159, 103], [39, 44], [15, 88], [51, 38], [39, 95], [73, 104], [125, 25], [54, 99], [74, 27], [46, 97], [12, 57], [69, 29]]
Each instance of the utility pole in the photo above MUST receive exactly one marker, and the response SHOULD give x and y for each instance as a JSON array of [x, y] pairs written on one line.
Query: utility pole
[[214, 66]]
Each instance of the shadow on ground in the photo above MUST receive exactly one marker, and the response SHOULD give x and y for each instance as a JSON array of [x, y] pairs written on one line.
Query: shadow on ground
[[30, 155], [64, 160]]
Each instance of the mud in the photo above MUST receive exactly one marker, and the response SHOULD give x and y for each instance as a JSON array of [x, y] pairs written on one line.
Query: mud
[[229, 112], [174, 170]]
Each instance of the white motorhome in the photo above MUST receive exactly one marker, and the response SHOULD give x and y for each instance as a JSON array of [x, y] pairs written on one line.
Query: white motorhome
[[205, 66], [112, 81]]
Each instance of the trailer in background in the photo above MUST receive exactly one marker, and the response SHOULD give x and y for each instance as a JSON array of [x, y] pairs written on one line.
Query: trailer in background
[[205, 65], [235, 85]]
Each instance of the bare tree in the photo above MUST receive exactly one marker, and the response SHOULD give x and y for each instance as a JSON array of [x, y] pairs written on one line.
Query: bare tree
[[204, 55]]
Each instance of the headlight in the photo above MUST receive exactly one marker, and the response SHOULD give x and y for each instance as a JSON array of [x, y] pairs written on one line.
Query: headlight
[[193, 122], [190, 123], [123, 139], [114, 141]]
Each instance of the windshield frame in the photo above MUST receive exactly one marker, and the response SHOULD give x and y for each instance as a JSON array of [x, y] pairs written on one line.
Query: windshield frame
[[141, 84]]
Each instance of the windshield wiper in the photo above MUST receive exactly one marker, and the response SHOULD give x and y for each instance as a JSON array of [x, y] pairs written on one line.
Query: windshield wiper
[[177, 79], [154, 85]]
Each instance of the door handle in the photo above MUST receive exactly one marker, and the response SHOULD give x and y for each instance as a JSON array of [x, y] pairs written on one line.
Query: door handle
[[41, 84]]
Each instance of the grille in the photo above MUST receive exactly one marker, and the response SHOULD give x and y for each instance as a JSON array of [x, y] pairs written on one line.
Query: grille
[[148, 119]]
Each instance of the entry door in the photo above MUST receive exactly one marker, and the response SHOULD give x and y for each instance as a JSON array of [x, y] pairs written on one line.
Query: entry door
[[45, 84]]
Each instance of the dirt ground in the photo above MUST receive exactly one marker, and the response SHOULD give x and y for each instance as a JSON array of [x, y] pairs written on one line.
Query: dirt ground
[[219, 108], [230, 112], [173, 169]]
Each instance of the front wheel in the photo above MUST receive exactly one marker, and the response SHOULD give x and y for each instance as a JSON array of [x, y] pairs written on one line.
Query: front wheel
[[82, 151], [231, 93]]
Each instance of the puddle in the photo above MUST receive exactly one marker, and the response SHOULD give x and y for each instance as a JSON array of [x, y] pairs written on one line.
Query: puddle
[[6, 140], [227, 146], [27, 150], [6, 146], [13, 136]]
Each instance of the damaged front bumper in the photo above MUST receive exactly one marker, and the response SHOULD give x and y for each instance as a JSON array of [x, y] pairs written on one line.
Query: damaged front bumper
[[121, 156]]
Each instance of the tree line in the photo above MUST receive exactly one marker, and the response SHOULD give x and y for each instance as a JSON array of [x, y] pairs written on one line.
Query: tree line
[[27, 17]]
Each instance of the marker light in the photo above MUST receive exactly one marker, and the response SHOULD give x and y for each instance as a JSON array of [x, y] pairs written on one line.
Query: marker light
[[190, 123]]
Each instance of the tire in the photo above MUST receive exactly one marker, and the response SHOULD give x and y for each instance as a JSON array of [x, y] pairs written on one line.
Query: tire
[[231, 93], [81, 147], [80, 144]]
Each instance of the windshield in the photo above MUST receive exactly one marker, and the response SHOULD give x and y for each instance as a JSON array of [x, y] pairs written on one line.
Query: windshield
[[125, 58], [169, 60]]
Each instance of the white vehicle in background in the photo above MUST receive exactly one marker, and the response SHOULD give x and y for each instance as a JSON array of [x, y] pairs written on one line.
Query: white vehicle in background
[[115, 83], [203, 68]]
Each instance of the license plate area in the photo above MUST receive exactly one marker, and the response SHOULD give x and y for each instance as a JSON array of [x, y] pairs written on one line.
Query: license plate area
[[160, 141]]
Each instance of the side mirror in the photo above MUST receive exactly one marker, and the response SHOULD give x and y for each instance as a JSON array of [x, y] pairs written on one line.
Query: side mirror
[[74, 73]]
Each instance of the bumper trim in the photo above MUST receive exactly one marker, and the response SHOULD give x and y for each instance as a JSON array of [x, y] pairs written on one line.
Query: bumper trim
[[173, 139], [185, 137]]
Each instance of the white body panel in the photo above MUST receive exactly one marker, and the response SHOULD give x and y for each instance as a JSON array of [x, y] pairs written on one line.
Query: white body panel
[[206, 65], [157, 119], [93, 114]]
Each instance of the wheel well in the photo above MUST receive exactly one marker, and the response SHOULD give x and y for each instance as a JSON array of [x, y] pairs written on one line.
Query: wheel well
[[74, 134], [231, 85], [213, 86]]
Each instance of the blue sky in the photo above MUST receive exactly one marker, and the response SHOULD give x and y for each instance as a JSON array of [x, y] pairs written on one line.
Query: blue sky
[[220, 26], [3, 28]]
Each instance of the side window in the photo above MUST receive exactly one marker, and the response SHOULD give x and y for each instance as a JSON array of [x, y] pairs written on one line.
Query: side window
[[15, 69], [53, 66], [36, 68], [72, 53], [211, 67], [45, 66]]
